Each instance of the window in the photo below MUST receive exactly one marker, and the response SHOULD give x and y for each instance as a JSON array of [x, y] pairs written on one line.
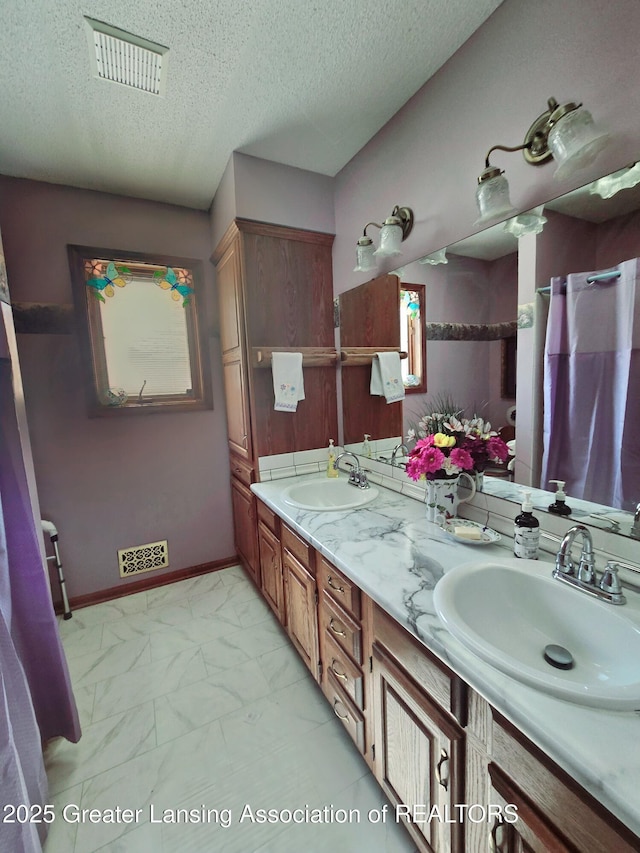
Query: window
[[141, 318], [413, 338]]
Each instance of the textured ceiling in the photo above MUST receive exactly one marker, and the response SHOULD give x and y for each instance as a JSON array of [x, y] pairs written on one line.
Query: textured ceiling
[[300, 82]]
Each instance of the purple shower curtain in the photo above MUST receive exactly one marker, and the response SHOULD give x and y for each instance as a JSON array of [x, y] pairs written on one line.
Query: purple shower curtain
[[592, 387], [36, 701]]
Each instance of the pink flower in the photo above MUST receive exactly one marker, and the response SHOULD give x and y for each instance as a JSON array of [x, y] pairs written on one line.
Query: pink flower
[[462, 458], [497, 450], [424, 459]]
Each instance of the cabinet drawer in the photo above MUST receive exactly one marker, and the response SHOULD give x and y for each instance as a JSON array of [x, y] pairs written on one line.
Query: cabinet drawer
[[298, 547], [338, 587], [268, 517], [240, 469], [345, 710], [417, 662], [341, 627], [343, 670]]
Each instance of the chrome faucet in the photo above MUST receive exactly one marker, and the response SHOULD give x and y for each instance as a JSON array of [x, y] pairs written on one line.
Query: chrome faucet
[[395, 451], [357, 477], [584, 576]]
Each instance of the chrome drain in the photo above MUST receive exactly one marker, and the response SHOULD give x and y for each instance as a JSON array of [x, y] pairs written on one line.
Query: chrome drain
[[558, 656]]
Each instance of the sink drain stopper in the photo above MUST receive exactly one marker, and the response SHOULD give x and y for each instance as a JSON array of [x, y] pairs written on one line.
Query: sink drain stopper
[[558, 656]]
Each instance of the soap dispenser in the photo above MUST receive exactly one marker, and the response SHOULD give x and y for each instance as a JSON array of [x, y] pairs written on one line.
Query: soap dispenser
[[366, 447], [526, 532], [332, 471], [559, 507]]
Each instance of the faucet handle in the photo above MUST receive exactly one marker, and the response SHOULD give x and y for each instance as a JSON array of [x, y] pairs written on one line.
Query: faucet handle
[[610, 582], [587, 571]]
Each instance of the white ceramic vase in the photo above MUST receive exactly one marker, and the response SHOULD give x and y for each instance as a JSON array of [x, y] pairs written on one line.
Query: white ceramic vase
[[443, 497]]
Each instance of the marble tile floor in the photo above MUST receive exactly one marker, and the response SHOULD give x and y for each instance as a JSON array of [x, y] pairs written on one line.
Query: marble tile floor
[[195, 706]]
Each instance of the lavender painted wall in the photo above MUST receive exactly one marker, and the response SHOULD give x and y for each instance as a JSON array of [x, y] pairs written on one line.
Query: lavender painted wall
[[112, 483], [430, 154]]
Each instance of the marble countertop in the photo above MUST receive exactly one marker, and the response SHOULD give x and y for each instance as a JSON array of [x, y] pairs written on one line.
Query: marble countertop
[[397, 557]]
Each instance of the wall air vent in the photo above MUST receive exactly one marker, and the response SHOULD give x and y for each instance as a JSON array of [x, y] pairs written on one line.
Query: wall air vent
[[143, 558], [127, 59]]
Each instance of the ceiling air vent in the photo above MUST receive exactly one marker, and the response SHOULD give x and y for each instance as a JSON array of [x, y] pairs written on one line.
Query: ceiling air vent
[[127, 59]]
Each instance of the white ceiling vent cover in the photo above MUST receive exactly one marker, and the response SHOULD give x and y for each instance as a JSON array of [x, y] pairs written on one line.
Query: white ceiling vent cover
[[127, 59], [143, 558]]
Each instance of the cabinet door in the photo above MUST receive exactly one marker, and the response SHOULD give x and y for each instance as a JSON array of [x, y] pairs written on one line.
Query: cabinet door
[[530, 833], [271, 568], [418, 757], [232, 342], [301, 607], [245, 525]]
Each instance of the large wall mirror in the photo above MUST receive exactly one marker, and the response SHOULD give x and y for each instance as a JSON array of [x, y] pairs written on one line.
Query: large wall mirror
[[494, 282]]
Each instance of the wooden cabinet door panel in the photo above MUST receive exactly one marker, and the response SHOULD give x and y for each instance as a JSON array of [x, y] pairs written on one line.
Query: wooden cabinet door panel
[[271, 569], [237, 404], [530, 833], [301, 609], [244, 520], [419, 756], [230, 301]]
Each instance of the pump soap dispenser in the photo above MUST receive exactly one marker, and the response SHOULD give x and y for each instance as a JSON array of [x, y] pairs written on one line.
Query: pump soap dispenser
[[559, 507], [366, 447], [526, 531], [332, 471]]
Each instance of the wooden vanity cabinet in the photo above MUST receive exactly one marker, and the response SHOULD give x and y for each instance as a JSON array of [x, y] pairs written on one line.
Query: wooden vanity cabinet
[[419, 745], [341, 650], [300, 593], [243, 503], [288, 584], [432, 742], [555, 813], [271, 576]]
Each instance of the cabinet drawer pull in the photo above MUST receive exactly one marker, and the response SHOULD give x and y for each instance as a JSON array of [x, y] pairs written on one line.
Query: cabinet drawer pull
[[337, 702], [335, 671], [335, 630], [336, 588], [442, 780]]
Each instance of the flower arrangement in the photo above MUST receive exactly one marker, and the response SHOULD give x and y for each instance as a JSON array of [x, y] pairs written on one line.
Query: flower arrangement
[[447, 445], [438, 456]]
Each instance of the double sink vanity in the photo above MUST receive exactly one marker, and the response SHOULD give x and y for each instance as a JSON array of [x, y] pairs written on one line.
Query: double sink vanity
[[432, 653]]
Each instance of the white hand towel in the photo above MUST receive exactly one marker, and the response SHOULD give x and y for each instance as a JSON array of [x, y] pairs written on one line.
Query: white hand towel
[[386, 377], [288, 383]]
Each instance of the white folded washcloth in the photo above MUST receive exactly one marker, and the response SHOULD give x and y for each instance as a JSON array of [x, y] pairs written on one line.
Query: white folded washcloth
[[288, 383], [386, 376]]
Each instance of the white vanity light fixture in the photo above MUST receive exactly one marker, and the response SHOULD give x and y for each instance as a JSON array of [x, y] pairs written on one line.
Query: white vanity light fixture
[[531, 222], [564, 132], [394, 230], [364, 254], [623, 179], [435, 258]]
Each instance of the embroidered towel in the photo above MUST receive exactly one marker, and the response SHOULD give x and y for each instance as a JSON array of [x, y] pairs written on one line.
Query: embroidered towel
[[386, 376], [288, 384]]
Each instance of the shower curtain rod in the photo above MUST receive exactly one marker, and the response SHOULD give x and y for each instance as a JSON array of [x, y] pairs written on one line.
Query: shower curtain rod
[[592, 279]]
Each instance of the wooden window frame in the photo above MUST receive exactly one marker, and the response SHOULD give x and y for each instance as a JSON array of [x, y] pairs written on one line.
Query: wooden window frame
[[89, 326]]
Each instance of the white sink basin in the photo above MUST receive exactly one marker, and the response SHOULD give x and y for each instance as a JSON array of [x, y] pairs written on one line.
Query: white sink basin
[[328, 494], [508, 611]]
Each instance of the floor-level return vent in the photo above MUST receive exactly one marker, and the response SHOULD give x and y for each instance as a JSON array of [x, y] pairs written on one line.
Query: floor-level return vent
[[143, 558]]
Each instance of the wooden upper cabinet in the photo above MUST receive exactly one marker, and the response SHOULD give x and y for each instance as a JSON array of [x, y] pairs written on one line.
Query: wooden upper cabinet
[[369, 317], [283, 297], [230, 300], [234, 356]]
